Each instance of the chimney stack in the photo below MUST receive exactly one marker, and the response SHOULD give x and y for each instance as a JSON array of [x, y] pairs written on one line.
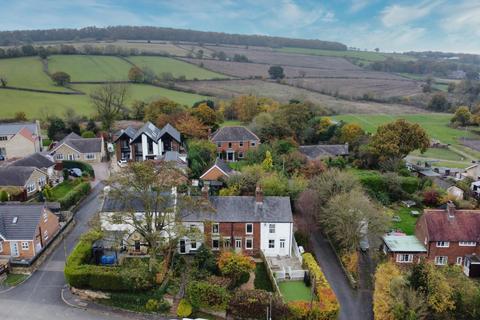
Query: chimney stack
[[259, 195], [205, 191], [451, 210]]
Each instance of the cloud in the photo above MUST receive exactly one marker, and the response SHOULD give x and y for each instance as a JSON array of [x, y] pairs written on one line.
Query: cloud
[[358, 5], [396, 15], [463, 17]]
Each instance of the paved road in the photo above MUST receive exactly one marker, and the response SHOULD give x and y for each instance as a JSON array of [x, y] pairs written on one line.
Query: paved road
[[354, 304], [39, 297]]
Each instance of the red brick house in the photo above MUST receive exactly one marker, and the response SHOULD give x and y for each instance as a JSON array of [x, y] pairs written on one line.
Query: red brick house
[[216, 173], [25, 229], [451, 236], [402, 249], [234, 142]]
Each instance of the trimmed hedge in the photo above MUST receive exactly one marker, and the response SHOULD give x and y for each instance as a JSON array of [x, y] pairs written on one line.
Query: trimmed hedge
[[85, 167], [80, 274], [202, 294], [329, 307], [74, 195]]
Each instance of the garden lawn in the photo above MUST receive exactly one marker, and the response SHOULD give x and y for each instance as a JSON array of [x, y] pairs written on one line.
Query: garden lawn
[[229, 123], [369, 56], [175, 67], [408, 222], [90, 68], [27, 72], [295, 291], [60, 190], [14, 279], [262, 281], [134, 301]]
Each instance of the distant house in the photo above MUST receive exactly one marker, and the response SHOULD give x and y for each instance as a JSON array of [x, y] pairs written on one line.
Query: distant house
[[234, 142], [18, 140], [323, 151], [41, 162], [147, 143], [27, 180], [451, 237], [25, 229], [472, 171], [475, 187], [74, 147], [219, 171], [403, 249]]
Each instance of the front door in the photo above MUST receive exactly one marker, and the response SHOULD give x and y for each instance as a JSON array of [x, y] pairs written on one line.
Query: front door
[[71, 157], [137, 246], [238, 244], [283, 250], [230, 156], [182, 246], [15, 252]]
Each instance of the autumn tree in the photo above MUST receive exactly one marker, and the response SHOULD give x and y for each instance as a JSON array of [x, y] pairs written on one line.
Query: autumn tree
[[109, 100], [462, 116], [191, 127], [138, 109], [395, 140], [246, 107], [439, 102], [351, 133], [61, 78], [163, 111], [206, 115], [234, 265], [382, 299], [267, 163], [332, 182], [135, 74]]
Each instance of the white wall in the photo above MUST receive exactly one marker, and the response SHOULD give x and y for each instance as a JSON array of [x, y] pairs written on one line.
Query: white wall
[[157, 148], [282, 231], [199, 242]]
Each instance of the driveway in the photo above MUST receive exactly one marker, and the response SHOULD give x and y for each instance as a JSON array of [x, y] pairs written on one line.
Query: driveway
[[39, 296], [354, 304], [102, 172]]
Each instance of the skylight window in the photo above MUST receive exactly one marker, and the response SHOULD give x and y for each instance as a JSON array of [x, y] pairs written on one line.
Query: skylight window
[[14, 220]]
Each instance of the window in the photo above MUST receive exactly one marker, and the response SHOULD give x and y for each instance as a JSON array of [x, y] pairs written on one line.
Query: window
[[441, 260], [42, 181], [253, 143], [3, 151], [193, 245], [467, 243], [229, 144], [238, 243], [443, 244], [215, 228], [3, 138], [215, 244], [59, 156], [249, 243], [459, 261], [25, 245], [282, 243], [249, 228], [219, 144], [90, 156], [45, 235], [31, 187], [240, 155], [271, 228], [241, 143], [404, 258], [226, 243], [1, 246], [271, 244], [14, 220], [45, 215]]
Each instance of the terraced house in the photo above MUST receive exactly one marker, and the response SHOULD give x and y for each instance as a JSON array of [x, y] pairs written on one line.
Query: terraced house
[[18, 140], [74, 147], [234, 142]]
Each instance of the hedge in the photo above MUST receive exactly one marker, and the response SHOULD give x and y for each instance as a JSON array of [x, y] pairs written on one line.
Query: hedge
[[80, 274], [329, 307], [74, 195], [202, 294], [85, 167]]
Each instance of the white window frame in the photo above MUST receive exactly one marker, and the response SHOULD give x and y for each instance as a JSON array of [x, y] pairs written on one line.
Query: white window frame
[[253, 143], [247, 241], [45, 235], [31, 187], [271, 244], [193, 245], [90, 156], [246, 228], [237, 241], [227, 243], [467, 244], [219, 144], [401, 258], [240, 155], [443, 244], [217, 225], [270, 225], [25, 245], [42, 181], [282, 243], [240, 143], [459, 261], [218, 242], [45, 216], [1, 246], [59, 156], [3, 138], [441, 260]]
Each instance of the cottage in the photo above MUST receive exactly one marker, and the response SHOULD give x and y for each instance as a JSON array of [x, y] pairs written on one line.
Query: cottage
[[25, 229], [27, 180], [403, 249], [322, 151], [216, 173], [42, 162], [74, 147], [234, 142], [18, 140]]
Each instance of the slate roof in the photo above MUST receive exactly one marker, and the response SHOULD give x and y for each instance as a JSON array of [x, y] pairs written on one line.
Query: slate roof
[[464, 226], [222, 165], [243, 209], [82, 145], [13, 128], [168, 128], [324, 150], [111, 204], [28, 217], [404, 243], [36, 160], [129, 132], [150, 130], [71, 135], [233, 133], [15, 176]]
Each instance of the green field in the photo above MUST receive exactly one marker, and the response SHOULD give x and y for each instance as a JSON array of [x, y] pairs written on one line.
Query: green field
[[27, 73], [90, 68], [176, 67], [369, 56]]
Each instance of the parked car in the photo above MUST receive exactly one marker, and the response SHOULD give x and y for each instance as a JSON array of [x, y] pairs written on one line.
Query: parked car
[[122, 162], [2, 157], [75, 172]]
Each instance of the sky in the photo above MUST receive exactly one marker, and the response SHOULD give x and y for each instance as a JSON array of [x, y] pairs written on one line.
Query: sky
[[442, 25]]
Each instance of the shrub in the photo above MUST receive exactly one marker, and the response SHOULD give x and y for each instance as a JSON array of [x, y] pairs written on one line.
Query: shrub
[[152, 305], [328, 305], [85, 167], [74, 195], [205, 259], [202, 294], [249, 304], [300, 310], [184, 309], [235, 266], [3, 196], [88, 134]]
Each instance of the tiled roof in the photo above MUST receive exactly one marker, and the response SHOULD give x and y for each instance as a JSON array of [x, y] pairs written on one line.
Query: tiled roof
[[168, 128], [27, 218], [129, 132], [463, 226], [402, 243], [86, 145], [234, 133], [36, 160], [324, 150], [15, 176], [14, 128], [222, 165], [150, 130]]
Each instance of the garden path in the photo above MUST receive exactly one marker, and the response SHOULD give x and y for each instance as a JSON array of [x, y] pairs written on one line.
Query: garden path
[[249, 285]]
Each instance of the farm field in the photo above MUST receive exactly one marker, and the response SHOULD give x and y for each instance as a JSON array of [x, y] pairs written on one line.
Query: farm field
[[370, 56], [90, 68], [27, 72], [176, 67]]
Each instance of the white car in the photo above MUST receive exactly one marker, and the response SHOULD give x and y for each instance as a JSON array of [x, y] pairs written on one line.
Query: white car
[[122, 163]]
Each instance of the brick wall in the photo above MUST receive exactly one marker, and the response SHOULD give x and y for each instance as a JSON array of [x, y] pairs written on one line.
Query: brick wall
[[453, 251], [233, 231], [51, 225], [235, 146]]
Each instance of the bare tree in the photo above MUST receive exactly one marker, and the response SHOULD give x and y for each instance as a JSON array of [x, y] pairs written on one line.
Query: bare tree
[[109, 100]]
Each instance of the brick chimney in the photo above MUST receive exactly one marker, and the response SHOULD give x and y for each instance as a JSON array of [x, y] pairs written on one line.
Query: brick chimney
[[258, 195], [451, 210], [205, 191]]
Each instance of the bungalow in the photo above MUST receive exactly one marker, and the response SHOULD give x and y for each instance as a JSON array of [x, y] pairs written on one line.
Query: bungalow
[[322, 151], [403, 249], [233, 142], [41, 162], [216, 173], [27, 180], [74, 147], [25, 229], [18, 140]]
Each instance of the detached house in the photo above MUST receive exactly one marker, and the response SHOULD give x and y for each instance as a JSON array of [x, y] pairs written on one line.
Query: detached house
[[216, 173], [41, 162], [322, 151], [234, 142], [74, 147], [25, 229], [18, 140], [26, 181]]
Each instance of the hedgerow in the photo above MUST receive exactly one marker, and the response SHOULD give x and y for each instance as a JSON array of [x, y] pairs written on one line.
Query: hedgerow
[[74, 195]]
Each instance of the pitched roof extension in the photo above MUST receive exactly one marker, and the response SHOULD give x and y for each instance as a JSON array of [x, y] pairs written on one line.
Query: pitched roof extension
[[402, 243]]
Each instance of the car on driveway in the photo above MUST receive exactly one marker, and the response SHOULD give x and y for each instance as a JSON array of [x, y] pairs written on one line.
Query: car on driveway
[[75, 172]]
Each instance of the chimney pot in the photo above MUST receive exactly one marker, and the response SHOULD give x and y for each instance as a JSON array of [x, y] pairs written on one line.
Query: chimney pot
[[259, 195]]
